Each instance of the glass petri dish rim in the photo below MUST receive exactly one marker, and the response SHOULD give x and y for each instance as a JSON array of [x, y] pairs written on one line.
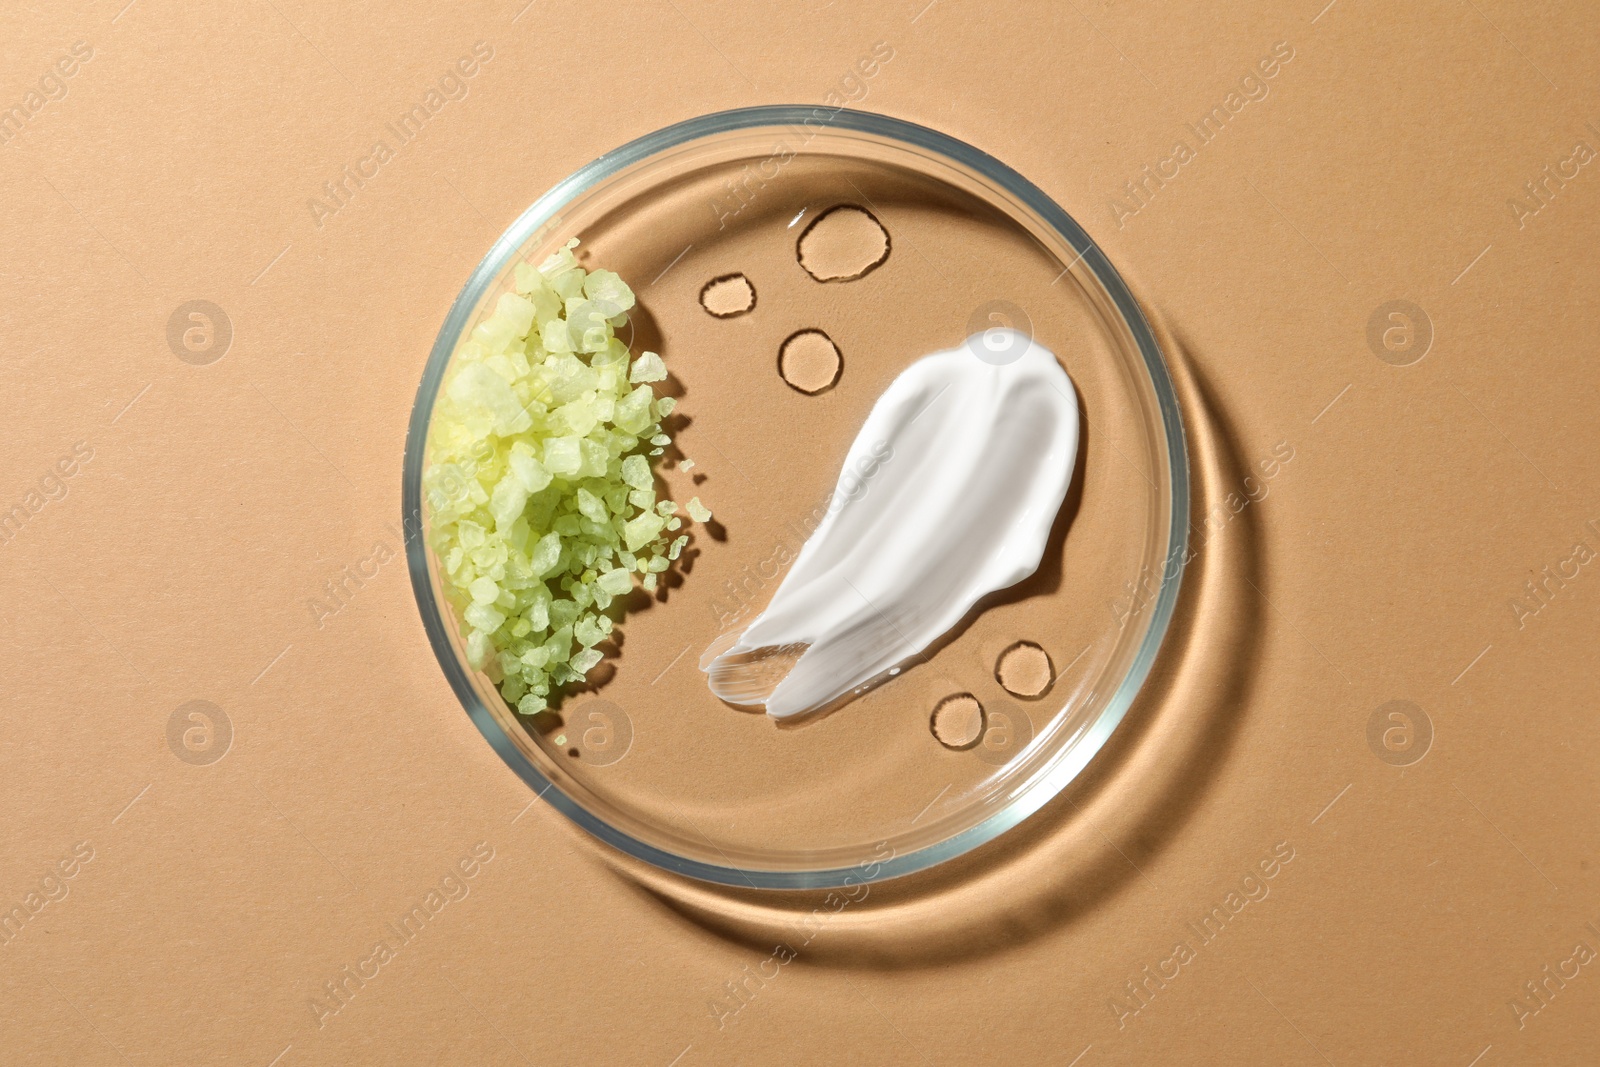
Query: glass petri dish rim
[[1070, 762]]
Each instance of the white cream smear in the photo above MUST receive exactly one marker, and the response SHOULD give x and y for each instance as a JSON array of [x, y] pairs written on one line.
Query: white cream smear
[[947, 494]]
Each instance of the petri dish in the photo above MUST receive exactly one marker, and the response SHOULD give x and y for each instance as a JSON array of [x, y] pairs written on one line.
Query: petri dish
[[647, 759]]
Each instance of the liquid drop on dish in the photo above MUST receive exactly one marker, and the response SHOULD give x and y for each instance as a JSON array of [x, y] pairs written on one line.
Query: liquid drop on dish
[[728, 296], [1024, 670], [842, 244], [958, 721], [810, 362], [948, 493]]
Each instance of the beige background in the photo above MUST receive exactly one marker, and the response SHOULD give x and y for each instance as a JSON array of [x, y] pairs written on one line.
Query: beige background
[[1382, 565]]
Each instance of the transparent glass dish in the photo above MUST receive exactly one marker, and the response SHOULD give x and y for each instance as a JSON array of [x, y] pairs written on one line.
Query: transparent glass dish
[[649, 761]]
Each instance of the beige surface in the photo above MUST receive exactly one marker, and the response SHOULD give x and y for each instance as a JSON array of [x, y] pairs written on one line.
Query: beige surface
[[209, 902]]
